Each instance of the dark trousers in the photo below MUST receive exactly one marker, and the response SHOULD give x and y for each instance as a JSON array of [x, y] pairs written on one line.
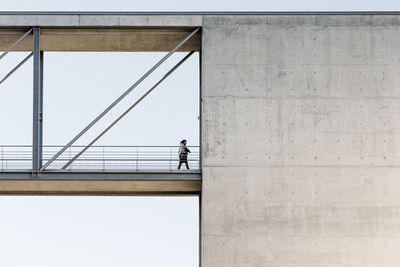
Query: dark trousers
[[183, 159]]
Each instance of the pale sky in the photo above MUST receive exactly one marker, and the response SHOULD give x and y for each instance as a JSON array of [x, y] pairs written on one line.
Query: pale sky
[[204, 5], [79, 86], [113, 231], [83, 231]]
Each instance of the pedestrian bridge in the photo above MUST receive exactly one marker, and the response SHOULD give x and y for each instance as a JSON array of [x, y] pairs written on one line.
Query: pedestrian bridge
[[101, 158], [138, 170], [93, 169]]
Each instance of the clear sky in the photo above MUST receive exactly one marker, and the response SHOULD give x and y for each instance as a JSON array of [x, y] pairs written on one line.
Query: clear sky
[[113, 231], [79, 86], [98, 231], [204, 5]]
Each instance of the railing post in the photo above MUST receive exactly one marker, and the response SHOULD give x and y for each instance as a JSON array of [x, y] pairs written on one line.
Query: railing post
[[104, 160], [137, 158], [2, 157], [170, 158], [69, 155]]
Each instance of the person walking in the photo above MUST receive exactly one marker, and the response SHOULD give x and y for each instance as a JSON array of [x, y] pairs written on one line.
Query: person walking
[[183, 153]]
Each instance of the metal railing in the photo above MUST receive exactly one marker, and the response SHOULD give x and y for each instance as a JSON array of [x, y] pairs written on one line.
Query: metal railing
[[128, 158]]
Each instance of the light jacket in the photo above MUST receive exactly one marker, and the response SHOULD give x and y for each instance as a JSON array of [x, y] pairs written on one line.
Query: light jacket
[[183, 149]]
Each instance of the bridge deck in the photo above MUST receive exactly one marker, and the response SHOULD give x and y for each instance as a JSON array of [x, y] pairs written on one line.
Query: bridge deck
[[103, 170], [100, 183]]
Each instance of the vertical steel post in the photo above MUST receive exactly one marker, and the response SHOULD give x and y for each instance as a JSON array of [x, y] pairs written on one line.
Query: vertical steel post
[[36, 144], [40, 135], [201, 150], [200, 110]]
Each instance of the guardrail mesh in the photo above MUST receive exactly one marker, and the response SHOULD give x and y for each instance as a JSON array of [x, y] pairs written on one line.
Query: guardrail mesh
[[133, 158]]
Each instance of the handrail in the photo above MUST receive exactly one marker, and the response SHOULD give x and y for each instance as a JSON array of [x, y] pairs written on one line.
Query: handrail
[[102, 157]]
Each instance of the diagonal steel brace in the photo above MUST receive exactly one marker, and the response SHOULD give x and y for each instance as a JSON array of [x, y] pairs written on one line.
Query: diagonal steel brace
[[127, 111], [119, 99], [16, 42], [17, 67]]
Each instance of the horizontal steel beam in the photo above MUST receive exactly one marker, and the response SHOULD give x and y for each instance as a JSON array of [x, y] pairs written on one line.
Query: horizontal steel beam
[[104, 175]]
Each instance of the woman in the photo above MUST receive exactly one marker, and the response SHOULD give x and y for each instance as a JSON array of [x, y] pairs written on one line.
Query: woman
[[183, 152]]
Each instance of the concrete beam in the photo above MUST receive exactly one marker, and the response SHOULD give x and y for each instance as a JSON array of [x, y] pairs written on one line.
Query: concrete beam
[[98, 20], [98, 187], [103, 40]]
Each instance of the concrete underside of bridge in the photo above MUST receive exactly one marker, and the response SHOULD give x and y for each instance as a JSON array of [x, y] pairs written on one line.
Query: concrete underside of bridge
[[100, 183], [300, 134], [102, 39], [98, 187], [114, 33]]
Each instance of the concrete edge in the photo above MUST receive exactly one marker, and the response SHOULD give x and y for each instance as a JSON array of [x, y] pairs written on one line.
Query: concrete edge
[[98, 187]]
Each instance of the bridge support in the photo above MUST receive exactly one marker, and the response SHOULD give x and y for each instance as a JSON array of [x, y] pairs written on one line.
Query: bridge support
[[98, 187], [37, 127]]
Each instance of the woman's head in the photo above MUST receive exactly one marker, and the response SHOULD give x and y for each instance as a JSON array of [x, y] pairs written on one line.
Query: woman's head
[[183, 142]]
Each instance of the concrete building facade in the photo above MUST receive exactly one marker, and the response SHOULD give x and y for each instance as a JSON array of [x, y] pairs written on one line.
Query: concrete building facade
[[301, 140], [300, 132]]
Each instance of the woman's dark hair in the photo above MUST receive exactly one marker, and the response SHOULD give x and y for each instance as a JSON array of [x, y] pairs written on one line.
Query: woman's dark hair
[[184, 140]]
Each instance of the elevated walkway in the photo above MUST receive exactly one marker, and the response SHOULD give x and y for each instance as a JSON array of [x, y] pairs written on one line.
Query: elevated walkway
[[88, 169], [126, 159], [101, 170]]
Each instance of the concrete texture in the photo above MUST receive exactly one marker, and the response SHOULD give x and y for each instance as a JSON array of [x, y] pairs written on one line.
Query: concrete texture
[[96, 32], [98, 20], [301, 140], [97, 187], [300, 130], [100, 39]]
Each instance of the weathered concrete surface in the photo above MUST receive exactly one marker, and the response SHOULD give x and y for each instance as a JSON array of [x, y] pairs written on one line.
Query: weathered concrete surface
[[118, 33], [301, 139], [100, 39], [97, 187], [95, 20]]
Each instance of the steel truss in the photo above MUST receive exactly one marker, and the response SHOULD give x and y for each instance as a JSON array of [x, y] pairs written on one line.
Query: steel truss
[[37, 144]]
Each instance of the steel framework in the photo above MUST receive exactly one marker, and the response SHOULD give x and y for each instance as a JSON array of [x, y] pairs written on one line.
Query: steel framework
[[38, 168]]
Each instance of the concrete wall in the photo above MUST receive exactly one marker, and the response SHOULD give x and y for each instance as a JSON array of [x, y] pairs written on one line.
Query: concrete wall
[[301, 139], [71, 19]]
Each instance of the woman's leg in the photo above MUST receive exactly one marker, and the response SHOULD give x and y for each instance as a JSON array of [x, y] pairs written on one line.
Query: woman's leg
[[180, 163], [183, 159], [187, 164]]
